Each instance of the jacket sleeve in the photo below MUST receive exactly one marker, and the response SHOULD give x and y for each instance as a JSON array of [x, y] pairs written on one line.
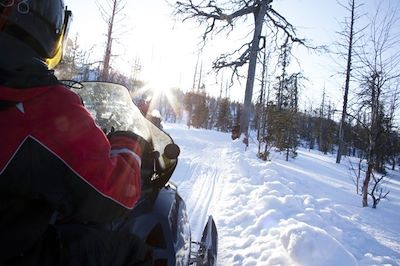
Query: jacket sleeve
[[103, 180]]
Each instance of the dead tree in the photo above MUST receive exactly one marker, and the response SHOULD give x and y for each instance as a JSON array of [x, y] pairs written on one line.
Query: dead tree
[[379, 75], [218, 18], [110, 15], [377, 192], [264, 99], [357, 171], [350, 36]]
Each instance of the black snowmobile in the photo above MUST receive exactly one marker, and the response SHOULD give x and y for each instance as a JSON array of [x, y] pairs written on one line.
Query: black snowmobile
[[160, 217]]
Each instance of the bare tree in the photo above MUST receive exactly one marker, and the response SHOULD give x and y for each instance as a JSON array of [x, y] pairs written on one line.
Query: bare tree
[[377, 192], [379, 76], [350, 36], [228, 13], [357, 172], [110, 14], [262, 106]]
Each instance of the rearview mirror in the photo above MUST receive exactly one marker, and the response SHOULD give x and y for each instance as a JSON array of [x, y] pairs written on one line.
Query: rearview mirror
[[172, 151]]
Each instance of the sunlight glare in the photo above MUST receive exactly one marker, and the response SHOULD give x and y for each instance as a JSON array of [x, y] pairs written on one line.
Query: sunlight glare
[[158, 97]]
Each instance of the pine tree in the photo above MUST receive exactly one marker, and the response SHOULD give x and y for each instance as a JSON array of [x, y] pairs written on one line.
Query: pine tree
[[224, 115]]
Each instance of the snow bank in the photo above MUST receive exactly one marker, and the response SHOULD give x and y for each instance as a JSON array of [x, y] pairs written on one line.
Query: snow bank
[[308, 245]]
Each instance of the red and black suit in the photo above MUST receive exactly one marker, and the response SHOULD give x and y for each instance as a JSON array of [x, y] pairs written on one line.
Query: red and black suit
[[54, 159]]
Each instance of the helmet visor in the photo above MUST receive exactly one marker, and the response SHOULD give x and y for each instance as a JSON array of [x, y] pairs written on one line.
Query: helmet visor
[[53, 61]]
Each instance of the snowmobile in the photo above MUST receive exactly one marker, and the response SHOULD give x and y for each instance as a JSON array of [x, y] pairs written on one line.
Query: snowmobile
[[160, 216]]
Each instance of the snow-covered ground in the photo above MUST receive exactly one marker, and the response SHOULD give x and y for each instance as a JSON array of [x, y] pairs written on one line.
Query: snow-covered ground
[[301, 212]]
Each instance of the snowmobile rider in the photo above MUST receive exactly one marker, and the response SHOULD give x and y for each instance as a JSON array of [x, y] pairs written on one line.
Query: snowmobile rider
[[54, 161]]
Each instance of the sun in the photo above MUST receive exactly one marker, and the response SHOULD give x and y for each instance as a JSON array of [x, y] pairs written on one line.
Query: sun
[[155, 97]]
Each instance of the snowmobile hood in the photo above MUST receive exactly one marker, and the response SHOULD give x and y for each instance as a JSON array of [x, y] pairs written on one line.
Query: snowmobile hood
[[21, 95]]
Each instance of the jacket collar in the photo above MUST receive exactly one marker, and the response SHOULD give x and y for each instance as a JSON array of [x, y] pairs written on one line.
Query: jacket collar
[[35, 75]]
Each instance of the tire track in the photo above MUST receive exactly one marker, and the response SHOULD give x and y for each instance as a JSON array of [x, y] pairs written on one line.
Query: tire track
[[200, 206], [206, 175]]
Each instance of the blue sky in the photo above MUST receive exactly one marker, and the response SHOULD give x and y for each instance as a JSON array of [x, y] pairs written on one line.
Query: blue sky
[[168, 48]]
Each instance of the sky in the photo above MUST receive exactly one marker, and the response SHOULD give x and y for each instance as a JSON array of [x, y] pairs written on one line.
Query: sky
[[302, 212], [168, 48]]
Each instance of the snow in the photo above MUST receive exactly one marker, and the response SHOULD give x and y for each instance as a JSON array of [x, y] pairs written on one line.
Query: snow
[[301, 212]]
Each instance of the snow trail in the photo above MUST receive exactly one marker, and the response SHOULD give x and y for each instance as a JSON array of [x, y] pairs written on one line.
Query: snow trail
[[301, 212], [202, 170]]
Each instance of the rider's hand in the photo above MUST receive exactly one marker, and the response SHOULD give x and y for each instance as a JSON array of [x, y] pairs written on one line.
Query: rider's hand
[[122, 140]]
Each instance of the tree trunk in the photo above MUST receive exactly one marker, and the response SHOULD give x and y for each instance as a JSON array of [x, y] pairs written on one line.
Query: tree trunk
[[366, 184], [347, 84], [287, 154], [259, 21], [263, 102], [107, 56], [321, 137]]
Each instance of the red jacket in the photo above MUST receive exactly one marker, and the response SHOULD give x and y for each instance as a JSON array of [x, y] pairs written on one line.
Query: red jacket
[[53, 157]]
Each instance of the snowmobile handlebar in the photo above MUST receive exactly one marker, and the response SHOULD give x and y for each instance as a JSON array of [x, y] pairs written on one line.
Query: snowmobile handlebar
[[154, 175]]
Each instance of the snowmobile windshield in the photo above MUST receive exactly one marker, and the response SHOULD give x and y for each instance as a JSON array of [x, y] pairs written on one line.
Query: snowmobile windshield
[[112, 108]]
